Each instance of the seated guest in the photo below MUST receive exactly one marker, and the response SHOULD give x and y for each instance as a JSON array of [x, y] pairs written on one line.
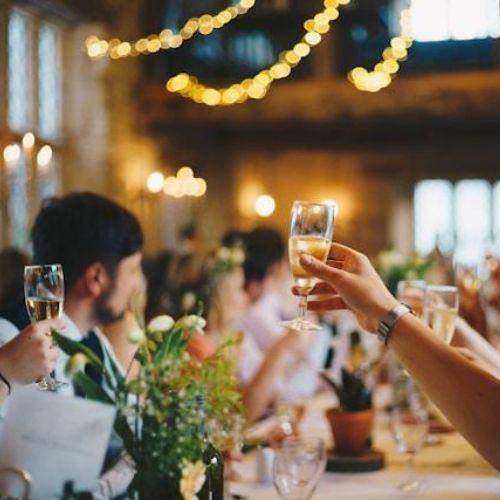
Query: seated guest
[[466, 394], [264, 268], [29, 356], [98, 243], [220, 287], [12, 306]]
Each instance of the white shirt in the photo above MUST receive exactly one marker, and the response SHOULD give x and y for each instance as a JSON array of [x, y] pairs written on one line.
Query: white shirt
[[7, 331], [262, 320]]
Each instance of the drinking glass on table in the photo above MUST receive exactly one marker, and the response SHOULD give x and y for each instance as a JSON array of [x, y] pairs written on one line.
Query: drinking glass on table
[[311, 232], [409, 425], [441, 310], [298, 466], [44, 296], [411, 293]]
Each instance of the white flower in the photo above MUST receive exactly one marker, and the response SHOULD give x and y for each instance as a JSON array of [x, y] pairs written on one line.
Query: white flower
[[192, 323], [237, 256], [188, 301], [223, 253], [161, 324], [136, 336], [193, 477], [75, 364]]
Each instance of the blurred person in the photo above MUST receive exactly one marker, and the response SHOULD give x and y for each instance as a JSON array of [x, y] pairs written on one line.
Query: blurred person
[[190, 241], [265, 267], [12, 305], [99, 244], [350, 282], [29, 356], [220, 287]]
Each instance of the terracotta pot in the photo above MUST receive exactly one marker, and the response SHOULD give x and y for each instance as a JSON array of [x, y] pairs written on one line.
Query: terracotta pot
[[351, 430]]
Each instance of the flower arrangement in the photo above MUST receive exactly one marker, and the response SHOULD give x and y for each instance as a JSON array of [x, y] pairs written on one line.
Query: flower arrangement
[[185, 385]]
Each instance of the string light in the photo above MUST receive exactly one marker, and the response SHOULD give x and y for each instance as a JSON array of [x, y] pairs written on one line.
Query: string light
[[265, 205], [258, 86], [185, 184], [166, 39], [155, 182], [11, 153], [44, 156], [28, 140], [385, 71]]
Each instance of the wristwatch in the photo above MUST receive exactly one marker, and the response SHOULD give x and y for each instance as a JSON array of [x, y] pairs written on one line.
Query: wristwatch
[[386, 326]]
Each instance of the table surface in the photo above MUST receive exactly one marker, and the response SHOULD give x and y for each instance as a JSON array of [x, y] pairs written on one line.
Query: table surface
[[449, 470]]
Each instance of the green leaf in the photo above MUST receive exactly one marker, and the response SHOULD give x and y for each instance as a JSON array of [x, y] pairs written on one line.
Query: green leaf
[[91, 389], [71, 347]]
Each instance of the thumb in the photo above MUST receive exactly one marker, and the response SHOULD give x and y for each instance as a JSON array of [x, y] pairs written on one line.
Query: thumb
[[319, 270]]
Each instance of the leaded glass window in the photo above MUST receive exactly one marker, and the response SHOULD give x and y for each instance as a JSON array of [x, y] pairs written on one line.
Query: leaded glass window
[[18, 112], [49, 88]]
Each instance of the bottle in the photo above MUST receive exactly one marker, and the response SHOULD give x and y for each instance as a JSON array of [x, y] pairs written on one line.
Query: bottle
[[213, 487]]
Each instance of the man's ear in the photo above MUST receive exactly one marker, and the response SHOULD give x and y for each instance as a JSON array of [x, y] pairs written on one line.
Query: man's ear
[[96, 279]]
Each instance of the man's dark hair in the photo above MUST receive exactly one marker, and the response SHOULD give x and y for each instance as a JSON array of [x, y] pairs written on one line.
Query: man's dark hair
[[82, 228], [264, 248]]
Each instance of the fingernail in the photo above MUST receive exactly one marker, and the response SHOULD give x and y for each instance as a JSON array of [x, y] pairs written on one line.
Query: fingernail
[[307, 260]]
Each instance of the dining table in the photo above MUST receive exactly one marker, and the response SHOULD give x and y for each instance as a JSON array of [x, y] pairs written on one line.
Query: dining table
[[447, 468]]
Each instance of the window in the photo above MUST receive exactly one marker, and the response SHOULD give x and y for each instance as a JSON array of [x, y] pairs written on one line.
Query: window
[[18, 44], [464, 217], [438, 20], [48, 81]]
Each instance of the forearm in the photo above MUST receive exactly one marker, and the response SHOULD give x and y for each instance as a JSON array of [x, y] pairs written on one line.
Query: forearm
[[259, 392], [468, 396], [466, 336]]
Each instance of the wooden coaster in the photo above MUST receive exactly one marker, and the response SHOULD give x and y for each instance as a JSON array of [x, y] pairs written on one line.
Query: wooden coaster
[[369, 461]]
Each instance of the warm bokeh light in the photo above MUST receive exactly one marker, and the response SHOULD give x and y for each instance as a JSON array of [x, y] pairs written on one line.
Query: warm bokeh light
[[44, 156], [265, 205], [28, 140], [11, 153], [185, 184], [155, 182], [185, 173]]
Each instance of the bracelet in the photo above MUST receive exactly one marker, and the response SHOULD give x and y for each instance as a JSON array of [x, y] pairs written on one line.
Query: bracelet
[[6, 382], [386, 326]]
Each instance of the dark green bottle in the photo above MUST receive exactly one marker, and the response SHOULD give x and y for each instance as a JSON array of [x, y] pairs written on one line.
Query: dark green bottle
[[213, 488]]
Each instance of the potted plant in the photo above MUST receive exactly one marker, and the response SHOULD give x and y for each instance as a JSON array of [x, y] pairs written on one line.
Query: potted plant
[[351, 423]]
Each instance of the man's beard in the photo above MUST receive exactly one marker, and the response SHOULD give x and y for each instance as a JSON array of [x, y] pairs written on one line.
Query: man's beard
[[103, 311]]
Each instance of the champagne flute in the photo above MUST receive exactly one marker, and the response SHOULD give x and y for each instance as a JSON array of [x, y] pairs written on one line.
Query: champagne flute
[[441, 310], [44, 296], [411, 293], [409, 425], [311, 232]]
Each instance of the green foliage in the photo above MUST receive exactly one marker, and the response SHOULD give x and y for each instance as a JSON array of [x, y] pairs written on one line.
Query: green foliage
[[353, 394], [158, 413]]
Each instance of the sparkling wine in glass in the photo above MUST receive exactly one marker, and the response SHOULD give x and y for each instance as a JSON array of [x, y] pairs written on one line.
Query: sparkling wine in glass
[[441, 310], [44, 296], [311, 232], [411, 293]]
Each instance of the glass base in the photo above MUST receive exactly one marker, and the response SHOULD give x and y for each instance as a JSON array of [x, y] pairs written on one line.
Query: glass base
[[300, 324], [409, 485], [50, 384]]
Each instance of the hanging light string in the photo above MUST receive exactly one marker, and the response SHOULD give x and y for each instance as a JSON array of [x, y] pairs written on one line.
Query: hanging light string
[[385, 70], [258, 86], [118, 49]]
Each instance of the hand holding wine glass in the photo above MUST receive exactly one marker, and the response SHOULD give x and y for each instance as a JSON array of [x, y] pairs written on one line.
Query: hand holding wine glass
[[44, 295], [311, 232]]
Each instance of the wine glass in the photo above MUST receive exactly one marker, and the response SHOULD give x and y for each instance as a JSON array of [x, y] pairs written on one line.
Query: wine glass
[[297, 467], [311, 232], [411, 293], [44, 296], [409, 425], [441, 310]]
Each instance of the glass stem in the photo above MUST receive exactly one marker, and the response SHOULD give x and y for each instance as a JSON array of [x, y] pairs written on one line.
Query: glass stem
[[303, 307], [410, 466]]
